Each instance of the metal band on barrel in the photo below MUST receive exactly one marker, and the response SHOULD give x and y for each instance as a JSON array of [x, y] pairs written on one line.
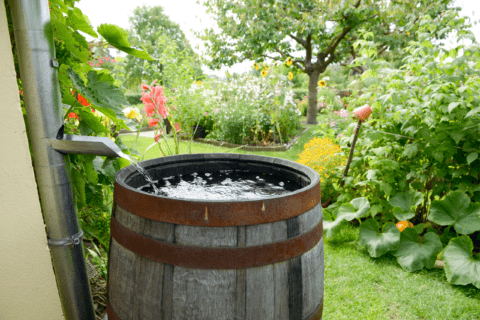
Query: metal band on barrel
[[214, 258], [215, 214]]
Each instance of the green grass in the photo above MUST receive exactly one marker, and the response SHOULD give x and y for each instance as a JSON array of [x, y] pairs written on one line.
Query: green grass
[[143, 143], [358, 286]]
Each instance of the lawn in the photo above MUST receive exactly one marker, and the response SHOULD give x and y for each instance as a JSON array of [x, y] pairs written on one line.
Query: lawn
[[358, 286]]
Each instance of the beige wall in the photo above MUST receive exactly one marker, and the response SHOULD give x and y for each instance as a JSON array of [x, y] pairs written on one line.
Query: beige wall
[[27, 283]]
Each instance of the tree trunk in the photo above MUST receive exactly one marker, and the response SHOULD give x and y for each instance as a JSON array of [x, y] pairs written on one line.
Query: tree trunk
[[312, 97]]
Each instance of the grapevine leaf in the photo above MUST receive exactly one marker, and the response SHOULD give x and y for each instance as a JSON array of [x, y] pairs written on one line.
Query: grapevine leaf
[[101, 93], [456, 210], [118, 38], [461, 267], [413, 255], [379, 243], [92, 121], [90, 173], [76, 19]]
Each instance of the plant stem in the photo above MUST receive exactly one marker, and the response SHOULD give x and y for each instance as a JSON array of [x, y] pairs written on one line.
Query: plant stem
[[350, 156]]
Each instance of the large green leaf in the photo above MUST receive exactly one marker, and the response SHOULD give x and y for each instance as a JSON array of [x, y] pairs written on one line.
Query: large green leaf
[[357, 208], [118, 38], [92, 121], [331, 227], [379, 243], [403, 202], [105, 97], [460, 266], [456, 210], [413, 255]]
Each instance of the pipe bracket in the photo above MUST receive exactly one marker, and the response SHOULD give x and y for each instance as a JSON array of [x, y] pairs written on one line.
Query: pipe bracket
[[75, 239], [54, 63]]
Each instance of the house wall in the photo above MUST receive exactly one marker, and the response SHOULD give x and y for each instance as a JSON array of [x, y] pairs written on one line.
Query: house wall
[[27, 283]]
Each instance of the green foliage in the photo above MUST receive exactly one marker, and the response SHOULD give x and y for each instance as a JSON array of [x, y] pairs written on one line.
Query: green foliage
[[403, 202], [379, 243], [159, 36], [413, 255], [133, 98], [314, 34], [457, 211], [461, 267]]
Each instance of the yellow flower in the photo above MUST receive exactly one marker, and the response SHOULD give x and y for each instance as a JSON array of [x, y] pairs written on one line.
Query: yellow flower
[[256, 66], [371, 98], [408, 33], [264, 73], [322, 83], [199, 82], [132, 113], [290, 75], [289, 61]]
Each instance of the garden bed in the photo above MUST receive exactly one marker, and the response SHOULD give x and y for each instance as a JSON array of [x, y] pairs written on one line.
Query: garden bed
[[269, 148]]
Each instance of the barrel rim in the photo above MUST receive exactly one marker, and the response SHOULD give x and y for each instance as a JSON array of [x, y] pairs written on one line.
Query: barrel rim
[[217, 213], [126, 172]]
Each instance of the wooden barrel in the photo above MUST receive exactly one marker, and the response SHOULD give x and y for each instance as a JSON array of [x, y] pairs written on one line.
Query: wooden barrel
[[198, 259]]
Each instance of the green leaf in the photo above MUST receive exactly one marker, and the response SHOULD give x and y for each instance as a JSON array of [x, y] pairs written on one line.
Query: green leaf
[[403, 202], [106, 97], [76, 19], [413, 255], [118, 38], [357, 208], [452, 106], [375, 209], [90, 173], [461, 268], [379, 243], [472, 157], [92, 121], [457, 211]]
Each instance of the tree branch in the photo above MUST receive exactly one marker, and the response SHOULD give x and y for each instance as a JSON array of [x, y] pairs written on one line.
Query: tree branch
[[299, 40], [295, 62]]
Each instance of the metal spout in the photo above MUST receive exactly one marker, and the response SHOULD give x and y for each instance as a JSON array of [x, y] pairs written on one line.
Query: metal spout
[[100, 146]]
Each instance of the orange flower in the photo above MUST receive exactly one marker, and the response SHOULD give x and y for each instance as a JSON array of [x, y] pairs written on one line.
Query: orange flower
[[152, 122], [177, 127], [82, 100], [158, 136], [73, 115]]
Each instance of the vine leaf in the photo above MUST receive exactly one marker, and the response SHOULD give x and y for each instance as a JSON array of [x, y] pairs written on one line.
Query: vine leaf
[[456, 210], [379, 243], [461, 267], [118, 38], [413, 255], [403, 202]]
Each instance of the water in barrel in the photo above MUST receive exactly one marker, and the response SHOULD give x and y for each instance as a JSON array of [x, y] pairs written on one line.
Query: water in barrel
[[222, 185]]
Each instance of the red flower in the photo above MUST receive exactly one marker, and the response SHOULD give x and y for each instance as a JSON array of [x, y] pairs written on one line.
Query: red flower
[[73, 115], [177, 127], [82, 100], [100, 60], [107, 58], [98, 64], [114, 60], [91, 64], [145, 87], [152, 122]]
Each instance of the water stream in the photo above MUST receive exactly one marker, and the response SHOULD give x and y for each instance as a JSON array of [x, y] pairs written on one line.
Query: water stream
[[141, 170]]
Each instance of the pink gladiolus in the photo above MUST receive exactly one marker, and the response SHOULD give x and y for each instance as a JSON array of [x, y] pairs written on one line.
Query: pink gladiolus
[[152, 122], [154, 101], [177, 127]]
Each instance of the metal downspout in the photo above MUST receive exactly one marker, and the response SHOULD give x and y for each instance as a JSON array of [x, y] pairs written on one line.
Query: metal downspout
[[35, 52]]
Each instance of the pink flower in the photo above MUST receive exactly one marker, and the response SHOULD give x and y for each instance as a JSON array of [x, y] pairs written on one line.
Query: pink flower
[[336, 112], [177, 127], [158, 136], [206, 114], [333, 124], [154, 101], [216, 111], [343, 113], [152, 122]]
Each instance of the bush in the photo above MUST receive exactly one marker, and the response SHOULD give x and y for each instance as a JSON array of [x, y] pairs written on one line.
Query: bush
[[133, 99], [300, 93]]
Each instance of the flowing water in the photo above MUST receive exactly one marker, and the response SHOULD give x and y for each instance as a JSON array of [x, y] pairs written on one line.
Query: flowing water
[[222, 185], [142, 171]]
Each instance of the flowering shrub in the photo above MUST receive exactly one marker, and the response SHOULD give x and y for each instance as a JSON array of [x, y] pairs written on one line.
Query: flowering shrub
[[255, 110]]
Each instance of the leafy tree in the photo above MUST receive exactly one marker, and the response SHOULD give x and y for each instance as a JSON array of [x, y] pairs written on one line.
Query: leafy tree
[[314, 34], [150, 28]]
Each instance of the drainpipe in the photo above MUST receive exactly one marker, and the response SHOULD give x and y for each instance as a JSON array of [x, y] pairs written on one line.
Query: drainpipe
[[36, 57]]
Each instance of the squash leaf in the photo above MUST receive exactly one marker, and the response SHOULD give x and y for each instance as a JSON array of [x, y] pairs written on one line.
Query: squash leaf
[[461, 267], [456, 210], [379, 243], [403, 202], [357, 208], [413, 255]]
